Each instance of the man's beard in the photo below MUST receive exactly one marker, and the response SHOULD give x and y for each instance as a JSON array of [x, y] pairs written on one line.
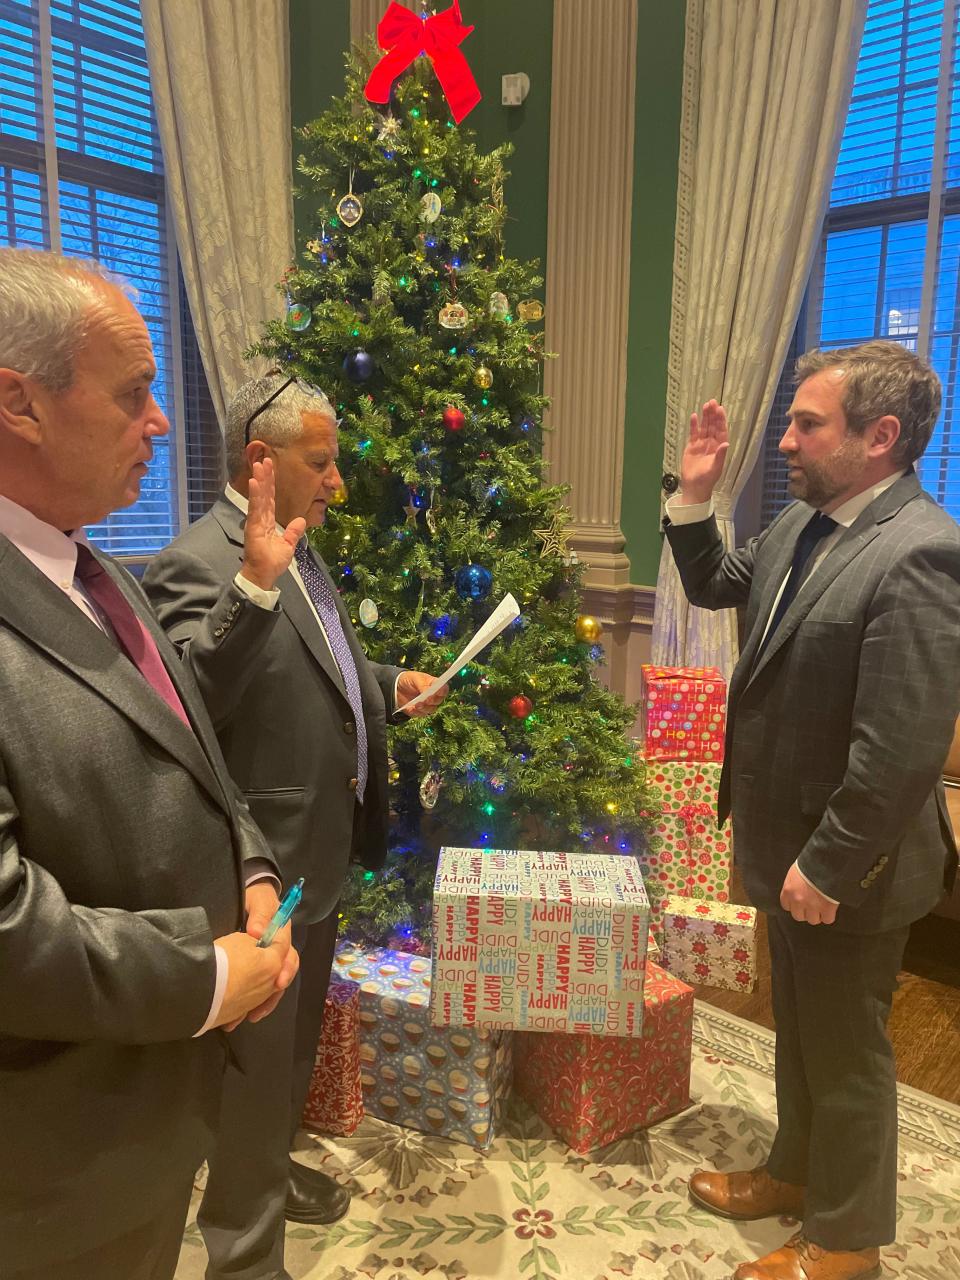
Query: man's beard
[[820, 482]]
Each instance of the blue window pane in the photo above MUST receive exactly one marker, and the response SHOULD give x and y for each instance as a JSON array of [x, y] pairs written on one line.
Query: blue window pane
[[23, 220], [20, 110], [851, 285]]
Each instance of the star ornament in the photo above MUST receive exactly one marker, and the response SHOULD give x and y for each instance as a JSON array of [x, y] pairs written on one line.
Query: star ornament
[[412, 513], [389, 129], [554, 537]]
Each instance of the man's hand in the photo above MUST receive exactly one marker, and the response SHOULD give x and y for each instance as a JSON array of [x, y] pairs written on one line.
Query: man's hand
[[702, 463], [257, 976], [409, 685], [266, 552], [260, 902], [804, 902]]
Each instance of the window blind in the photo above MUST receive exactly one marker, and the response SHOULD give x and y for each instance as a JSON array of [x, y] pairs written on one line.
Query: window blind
[[889, 256], [81, 171]]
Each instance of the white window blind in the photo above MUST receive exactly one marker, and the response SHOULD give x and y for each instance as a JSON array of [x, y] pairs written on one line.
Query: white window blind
[[81, 172], [889, 257]]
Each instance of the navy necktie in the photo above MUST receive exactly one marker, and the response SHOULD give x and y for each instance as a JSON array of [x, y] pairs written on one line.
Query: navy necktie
[[817, 527], [321, 596]]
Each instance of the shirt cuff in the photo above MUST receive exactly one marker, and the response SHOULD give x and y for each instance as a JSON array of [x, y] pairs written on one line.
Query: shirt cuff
[[257, 869], [687, 512], [265, 599], [808, 881], [396, 708], [219, 988]]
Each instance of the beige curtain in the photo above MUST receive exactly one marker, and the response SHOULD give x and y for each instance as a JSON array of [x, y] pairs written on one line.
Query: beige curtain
[[220, 71], [766, 89]]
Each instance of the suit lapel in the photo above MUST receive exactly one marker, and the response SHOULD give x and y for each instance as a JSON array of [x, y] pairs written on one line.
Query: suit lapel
[[860, 534], [50, 621], [295, 604]]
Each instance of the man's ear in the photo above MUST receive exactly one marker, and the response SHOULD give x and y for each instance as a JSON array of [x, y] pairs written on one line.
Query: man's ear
[[256, 451], [884, 434], [19, 407]]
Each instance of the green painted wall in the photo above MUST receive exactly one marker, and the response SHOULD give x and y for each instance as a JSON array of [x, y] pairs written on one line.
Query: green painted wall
[[660, 32], [319, 37], [508, 37], [513, 37]]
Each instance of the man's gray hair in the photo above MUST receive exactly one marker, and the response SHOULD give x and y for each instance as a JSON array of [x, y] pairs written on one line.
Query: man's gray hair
[[881, 378], [280, 423], [46, 305]]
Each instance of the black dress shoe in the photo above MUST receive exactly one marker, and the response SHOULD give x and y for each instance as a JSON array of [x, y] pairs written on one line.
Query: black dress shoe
[[314, 1197]]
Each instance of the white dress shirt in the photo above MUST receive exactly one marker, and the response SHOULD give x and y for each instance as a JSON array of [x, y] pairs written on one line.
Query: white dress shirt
[[680, 512]]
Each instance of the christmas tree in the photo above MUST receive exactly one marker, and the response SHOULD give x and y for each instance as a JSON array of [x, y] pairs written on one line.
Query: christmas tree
[[405, 310]]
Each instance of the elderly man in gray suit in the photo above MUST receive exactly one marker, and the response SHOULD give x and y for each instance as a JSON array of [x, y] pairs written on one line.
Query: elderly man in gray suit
[[841, 711], [301, 716], [124, 851]]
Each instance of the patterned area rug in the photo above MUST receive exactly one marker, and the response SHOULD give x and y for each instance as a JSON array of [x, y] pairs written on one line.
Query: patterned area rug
[[532, 1209]]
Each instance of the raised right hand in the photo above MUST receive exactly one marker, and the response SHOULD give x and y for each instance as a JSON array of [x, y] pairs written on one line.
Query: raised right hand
[[702, 463], [266, 551], [257, 976]]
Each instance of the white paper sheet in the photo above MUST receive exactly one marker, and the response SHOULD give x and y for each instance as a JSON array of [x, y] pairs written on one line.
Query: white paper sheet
[[506, 612]]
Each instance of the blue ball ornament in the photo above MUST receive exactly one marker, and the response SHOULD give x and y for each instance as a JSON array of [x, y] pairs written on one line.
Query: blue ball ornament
[[473, 582], [358, 366]]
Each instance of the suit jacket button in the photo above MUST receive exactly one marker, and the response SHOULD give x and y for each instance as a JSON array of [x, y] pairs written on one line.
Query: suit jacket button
[[352, 784], [235, 609], [218, 632], [883, 861], [864, 884], [348, 727]]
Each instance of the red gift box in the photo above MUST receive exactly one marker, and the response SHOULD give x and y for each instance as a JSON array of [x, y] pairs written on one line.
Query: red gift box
[[334, 1102], [593, 1089], [683, 713]]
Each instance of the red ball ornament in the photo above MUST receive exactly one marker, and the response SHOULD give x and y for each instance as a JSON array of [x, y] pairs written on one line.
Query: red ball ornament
[[520, 707], [454, 419]]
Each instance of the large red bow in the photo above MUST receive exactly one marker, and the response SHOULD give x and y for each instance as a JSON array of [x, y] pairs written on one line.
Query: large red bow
[[404, 36]]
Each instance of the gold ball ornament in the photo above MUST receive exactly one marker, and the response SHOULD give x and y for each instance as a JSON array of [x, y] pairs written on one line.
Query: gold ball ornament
[[339, 496], [588, 629], [483, 377]]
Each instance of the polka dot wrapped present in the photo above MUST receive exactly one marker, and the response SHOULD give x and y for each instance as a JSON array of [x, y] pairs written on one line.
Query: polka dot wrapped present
[[683, 713], [686, 853], [714, 943]]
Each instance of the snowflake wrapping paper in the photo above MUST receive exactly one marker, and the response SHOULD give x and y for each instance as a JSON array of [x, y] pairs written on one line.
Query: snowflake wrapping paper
[[593, 1089], [685, 851], [714, 943], [538, 941], [450, 1083], [683, 713], [334, 1101]]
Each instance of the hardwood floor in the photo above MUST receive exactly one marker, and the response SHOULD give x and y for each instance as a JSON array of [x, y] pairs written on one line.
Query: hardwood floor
[[925, 1021]]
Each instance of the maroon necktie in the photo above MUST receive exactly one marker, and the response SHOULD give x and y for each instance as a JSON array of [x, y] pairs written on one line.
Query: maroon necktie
[[133, 637]]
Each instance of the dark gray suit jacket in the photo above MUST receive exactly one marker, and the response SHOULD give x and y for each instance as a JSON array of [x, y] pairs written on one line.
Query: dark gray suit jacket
[[279, 706], [836, 740], [121, 850]]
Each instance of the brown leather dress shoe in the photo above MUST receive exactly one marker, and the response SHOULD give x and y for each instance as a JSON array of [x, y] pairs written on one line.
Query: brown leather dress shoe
[[801, 1259], [746, 1195]]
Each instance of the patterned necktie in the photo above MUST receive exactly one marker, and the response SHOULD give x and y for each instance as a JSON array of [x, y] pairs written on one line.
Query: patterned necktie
[[132, 636], [817, 527], [321, 596]]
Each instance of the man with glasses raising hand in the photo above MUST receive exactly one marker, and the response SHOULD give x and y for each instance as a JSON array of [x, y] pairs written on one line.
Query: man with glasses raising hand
[[301, 716]]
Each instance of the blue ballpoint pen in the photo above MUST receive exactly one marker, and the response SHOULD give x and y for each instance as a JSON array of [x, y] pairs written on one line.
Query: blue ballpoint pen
[[291, 900]]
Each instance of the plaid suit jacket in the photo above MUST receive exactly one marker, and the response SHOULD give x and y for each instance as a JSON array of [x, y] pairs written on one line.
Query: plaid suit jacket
[[837, 736]]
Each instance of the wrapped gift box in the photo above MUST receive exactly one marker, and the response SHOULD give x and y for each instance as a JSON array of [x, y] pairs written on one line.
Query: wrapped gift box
[[683, 713], [451, 1083], [539, 941], [593, 1089], [710, 942], [334, 1101], [685, 852]]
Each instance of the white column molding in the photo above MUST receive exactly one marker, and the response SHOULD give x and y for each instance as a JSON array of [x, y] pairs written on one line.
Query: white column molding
[[588, 270]]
